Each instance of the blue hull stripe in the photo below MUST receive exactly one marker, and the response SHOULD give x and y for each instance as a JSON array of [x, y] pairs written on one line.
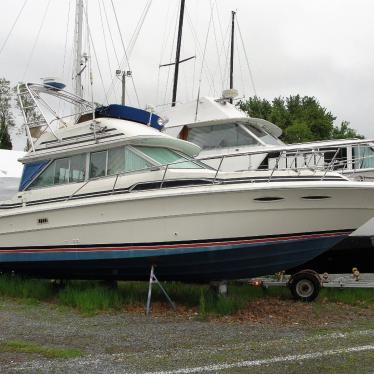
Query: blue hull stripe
[[100, 252]]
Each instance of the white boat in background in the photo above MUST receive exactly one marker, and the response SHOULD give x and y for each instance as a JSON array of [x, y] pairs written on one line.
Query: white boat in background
[[10, 172], [220, 128], [111, 196]]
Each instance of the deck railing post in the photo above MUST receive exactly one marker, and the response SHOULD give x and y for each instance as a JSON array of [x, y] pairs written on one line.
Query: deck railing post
[[276, 165], [219, 167], [330, 166], [163, 178]]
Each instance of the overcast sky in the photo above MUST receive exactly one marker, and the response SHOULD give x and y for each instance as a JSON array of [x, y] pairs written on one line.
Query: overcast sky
[[322, 48]]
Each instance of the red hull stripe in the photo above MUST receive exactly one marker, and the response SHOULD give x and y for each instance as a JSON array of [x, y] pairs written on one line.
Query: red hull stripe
[[176, 246]]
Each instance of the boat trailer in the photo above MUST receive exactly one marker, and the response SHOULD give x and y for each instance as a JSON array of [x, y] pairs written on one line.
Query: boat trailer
[[306, 284]]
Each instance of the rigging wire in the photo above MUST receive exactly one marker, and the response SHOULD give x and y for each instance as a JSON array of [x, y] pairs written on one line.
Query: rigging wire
[[222, 52], [246, 58], [202, 62], [66, 41], [226, 49], [124, 49], [106, 46], [64, 58], [13, 26], [132, 43], [218, 52], [208, 74], [242, 81], [138, 28], [163, 47], [113, 46], [110, 31], [90, 42], [36, 40], [171, 56]]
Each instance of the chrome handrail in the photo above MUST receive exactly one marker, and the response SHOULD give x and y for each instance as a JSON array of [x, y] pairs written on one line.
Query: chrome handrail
[[334, 163]]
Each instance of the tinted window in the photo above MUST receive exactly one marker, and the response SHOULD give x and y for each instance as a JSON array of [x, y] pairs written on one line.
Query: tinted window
[[116, 161], [46, 178], [124, 160], [220, 136], [166, 156], [135, 162], [98, 164], [77, 168], [61, 171]]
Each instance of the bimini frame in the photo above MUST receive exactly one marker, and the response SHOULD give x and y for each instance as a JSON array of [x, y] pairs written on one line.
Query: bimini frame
[[39, 116]]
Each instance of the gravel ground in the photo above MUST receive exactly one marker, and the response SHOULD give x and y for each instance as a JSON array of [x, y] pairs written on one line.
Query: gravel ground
[[272, 336]]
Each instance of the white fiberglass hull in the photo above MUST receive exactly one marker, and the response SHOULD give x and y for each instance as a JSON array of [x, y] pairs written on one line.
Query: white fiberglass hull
[[287, 225]]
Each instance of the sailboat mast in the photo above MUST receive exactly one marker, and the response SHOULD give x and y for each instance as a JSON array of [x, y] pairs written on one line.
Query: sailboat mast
[[232, 51], [177, 56], [78, 48]]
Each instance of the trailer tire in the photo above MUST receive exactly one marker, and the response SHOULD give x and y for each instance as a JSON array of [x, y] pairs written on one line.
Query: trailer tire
[[305, 286]]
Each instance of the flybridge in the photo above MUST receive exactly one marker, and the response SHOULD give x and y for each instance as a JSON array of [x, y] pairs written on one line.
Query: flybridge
[[130, 114], [40, 117]]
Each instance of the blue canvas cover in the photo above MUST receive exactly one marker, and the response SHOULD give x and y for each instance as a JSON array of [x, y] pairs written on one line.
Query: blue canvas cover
[[131, 114], [30, 171]]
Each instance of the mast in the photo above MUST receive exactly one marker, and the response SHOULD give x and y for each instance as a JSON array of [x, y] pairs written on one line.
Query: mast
[[177, 56], [77, 73], [232, 51]]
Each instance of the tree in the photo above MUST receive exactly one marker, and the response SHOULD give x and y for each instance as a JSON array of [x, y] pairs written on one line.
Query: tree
[[6, 115], [345, 132], [300, 118]]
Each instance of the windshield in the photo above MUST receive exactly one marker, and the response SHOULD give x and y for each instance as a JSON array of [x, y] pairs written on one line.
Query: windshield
[[165, 156], [220, 136], [264, 136]]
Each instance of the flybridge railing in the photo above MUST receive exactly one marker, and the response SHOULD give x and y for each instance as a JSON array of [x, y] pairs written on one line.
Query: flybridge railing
[[292, 153], [36, 110]]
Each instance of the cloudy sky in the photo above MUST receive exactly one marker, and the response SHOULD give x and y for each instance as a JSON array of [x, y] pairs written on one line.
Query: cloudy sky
[[323, 48]]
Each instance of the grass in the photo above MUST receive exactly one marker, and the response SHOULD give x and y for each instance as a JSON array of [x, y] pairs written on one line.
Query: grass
[[351, 296], [25, 288], [29, 347], [91, 297]]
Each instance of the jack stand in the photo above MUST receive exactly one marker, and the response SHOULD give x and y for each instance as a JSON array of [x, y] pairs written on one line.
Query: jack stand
[[153, 279]]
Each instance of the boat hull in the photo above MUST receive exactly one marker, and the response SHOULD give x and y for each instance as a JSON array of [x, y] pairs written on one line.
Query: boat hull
[[190, 262], [188, 234]]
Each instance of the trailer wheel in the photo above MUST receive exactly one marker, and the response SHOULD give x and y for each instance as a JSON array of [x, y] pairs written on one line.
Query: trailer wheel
[[305, 285]]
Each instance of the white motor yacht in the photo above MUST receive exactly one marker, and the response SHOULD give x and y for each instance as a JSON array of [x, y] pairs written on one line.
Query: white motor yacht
[[220, 128], [109, 196]]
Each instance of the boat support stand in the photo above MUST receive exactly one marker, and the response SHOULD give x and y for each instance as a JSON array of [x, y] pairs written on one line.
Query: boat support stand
[[153, 279]]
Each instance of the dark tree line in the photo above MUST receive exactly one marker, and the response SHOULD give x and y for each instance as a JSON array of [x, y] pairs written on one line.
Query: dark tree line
[[302, 119]]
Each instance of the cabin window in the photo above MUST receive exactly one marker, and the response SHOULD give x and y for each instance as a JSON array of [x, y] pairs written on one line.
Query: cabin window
[[116, 161], [134, 162], [98, 163], [122, 160], [166, 156], [220, 136], [61, 171], [46, 178], [77, 168]]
